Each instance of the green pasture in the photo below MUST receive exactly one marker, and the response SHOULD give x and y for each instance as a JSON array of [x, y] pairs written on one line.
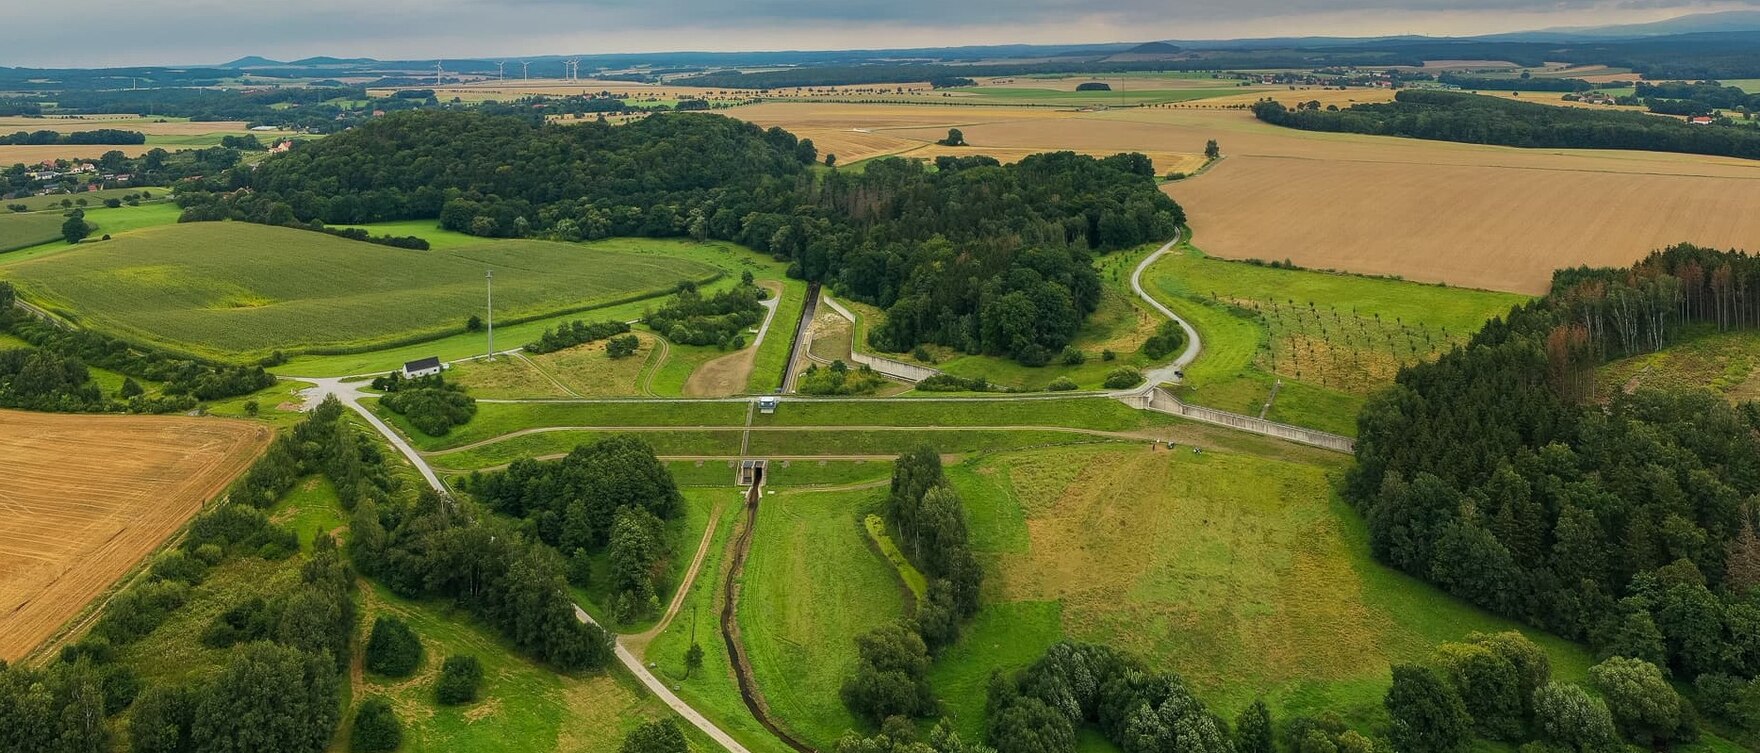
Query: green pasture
[[235, 290], [92, 198], [39, 233], [1079, 412]]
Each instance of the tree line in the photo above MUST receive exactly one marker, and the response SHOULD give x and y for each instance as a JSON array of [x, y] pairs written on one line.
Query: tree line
[[1475, 119], [1627, 520], [928, 522], [83, 138], [1524, 84], [52, 374], [983, 257]]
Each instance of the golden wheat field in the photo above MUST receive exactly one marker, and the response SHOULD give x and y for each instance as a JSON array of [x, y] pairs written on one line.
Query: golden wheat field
[[86, 497], [1465, 214]]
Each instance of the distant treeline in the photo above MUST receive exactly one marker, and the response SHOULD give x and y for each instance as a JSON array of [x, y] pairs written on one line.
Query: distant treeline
[[47, 138], [881, 73], [980, 256], [1471, 118], [1530, 84]]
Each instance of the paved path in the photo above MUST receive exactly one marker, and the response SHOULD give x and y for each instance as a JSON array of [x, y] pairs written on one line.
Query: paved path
[[349, 393], [1171, 372]]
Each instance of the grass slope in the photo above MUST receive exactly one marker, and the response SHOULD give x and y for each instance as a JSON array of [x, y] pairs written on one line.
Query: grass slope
[[1331, 338], [231, 289], [1244, 574]]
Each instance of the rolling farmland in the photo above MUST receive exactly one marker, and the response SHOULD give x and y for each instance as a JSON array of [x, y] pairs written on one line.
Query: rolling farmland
[[234, 288], [87, 496]]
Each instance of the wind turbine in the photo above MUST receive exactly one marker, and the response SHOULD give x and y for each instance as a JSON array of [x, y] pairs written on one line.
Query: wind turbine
[[439, 71], [500, 70], [526, 67]]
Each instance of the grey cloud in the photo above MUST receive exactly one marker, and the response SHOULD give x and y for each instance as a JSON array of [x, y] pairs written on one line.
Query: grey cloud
[[210, 31]]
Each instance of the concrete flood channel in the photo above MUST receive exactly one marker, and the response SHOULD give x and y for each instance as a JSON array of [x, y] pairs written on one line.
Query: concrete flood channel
[[736, 652]]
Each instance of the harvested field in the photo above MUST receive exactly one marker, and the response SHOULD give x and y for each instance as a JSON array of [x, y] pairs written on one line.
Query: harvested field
[[86, 497], [146, 125], [1465, 214]]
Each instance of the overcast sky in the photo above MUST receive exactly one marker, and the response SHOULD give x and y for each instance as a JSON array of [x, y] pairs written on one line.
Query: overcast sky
[[92, 33]]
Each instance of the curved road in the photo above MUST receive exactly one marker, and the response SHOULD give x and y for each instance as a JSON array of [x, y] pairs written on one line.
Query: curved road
[[349, 393], [1172, 371]]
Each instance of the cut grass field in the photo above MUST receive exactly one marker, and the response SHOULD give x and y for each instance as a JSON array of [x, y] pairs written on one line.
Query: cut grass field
[[495, 420], [86, 497], [235, 290], [32, 227], [1331, 338]]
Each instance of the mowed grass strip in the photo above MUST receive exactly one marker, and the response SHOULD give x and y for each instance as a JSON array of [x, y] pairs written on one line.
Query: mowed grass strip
[[499, 419], [236, 289], [811, 586]]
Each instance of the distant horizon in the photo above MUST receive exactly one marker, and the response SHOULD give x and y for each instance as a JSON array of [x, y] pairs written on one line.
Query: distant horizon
[[167, 35]]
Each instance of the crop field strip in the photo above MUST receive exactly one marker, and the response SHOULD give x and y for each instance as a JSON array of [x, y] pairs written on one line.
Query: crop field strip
[[87, 496]]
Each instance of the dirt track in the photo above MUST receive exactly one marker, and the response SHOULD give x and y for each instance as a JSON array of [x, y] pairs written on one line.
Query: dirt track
[[84, 498]]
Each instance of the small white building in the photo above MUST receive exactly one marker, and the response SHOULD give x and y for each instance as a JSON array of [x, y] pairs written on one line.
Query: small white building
[[767, 404], [423, 368]]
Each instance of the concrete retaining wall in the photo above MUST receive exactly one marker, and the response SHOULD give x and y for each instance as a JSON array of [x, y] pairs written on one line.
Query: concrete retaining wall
[[1162, 401], [909, 372]]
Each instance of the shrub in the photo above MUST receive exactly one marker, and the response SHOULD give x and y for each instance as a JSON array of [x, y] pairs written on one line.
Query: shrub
[[433, 410], [922, 354], [179, 566], [623, 346], [1073, 357], [1645, 708], [1061, 384], [393, 650], [1168, 339], [658, 736], [376, 728], [1123, 377], [460, 678], [1108, 355]]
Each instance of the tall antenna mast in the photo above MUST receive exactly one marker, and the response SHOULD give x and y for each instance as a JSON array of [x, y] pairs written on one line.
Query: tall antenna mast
[[490, 276]]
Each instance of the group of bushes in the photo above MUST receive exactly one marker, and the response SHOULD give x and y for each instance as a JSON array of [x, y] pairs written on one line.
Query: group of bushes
[[432, 404], [575, 333], [839, 379], [612, 496], [929, 524], [719, 320], [394, 650]]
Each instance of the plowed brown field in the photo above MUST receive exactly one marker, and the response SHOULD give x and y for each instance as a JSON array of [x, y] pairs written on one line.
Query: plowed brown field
[[84, 498]]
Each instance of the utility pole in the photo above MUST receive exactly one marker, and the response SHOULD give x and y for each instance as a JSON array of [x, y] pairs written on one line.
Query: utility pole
[[490, 276]]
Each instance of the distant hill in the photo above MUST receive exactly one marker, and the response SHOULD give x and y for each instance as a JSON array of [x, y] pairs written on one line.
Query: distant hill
[[1154, 48], [324, 60], [1735, 20], [253, 61]]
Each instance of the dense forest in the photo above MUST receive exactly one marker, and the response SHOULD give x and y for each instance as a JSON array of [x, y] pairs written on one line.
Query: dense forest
[[1527, 84], [1626, 520], [980, 256], [1456, 116]]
